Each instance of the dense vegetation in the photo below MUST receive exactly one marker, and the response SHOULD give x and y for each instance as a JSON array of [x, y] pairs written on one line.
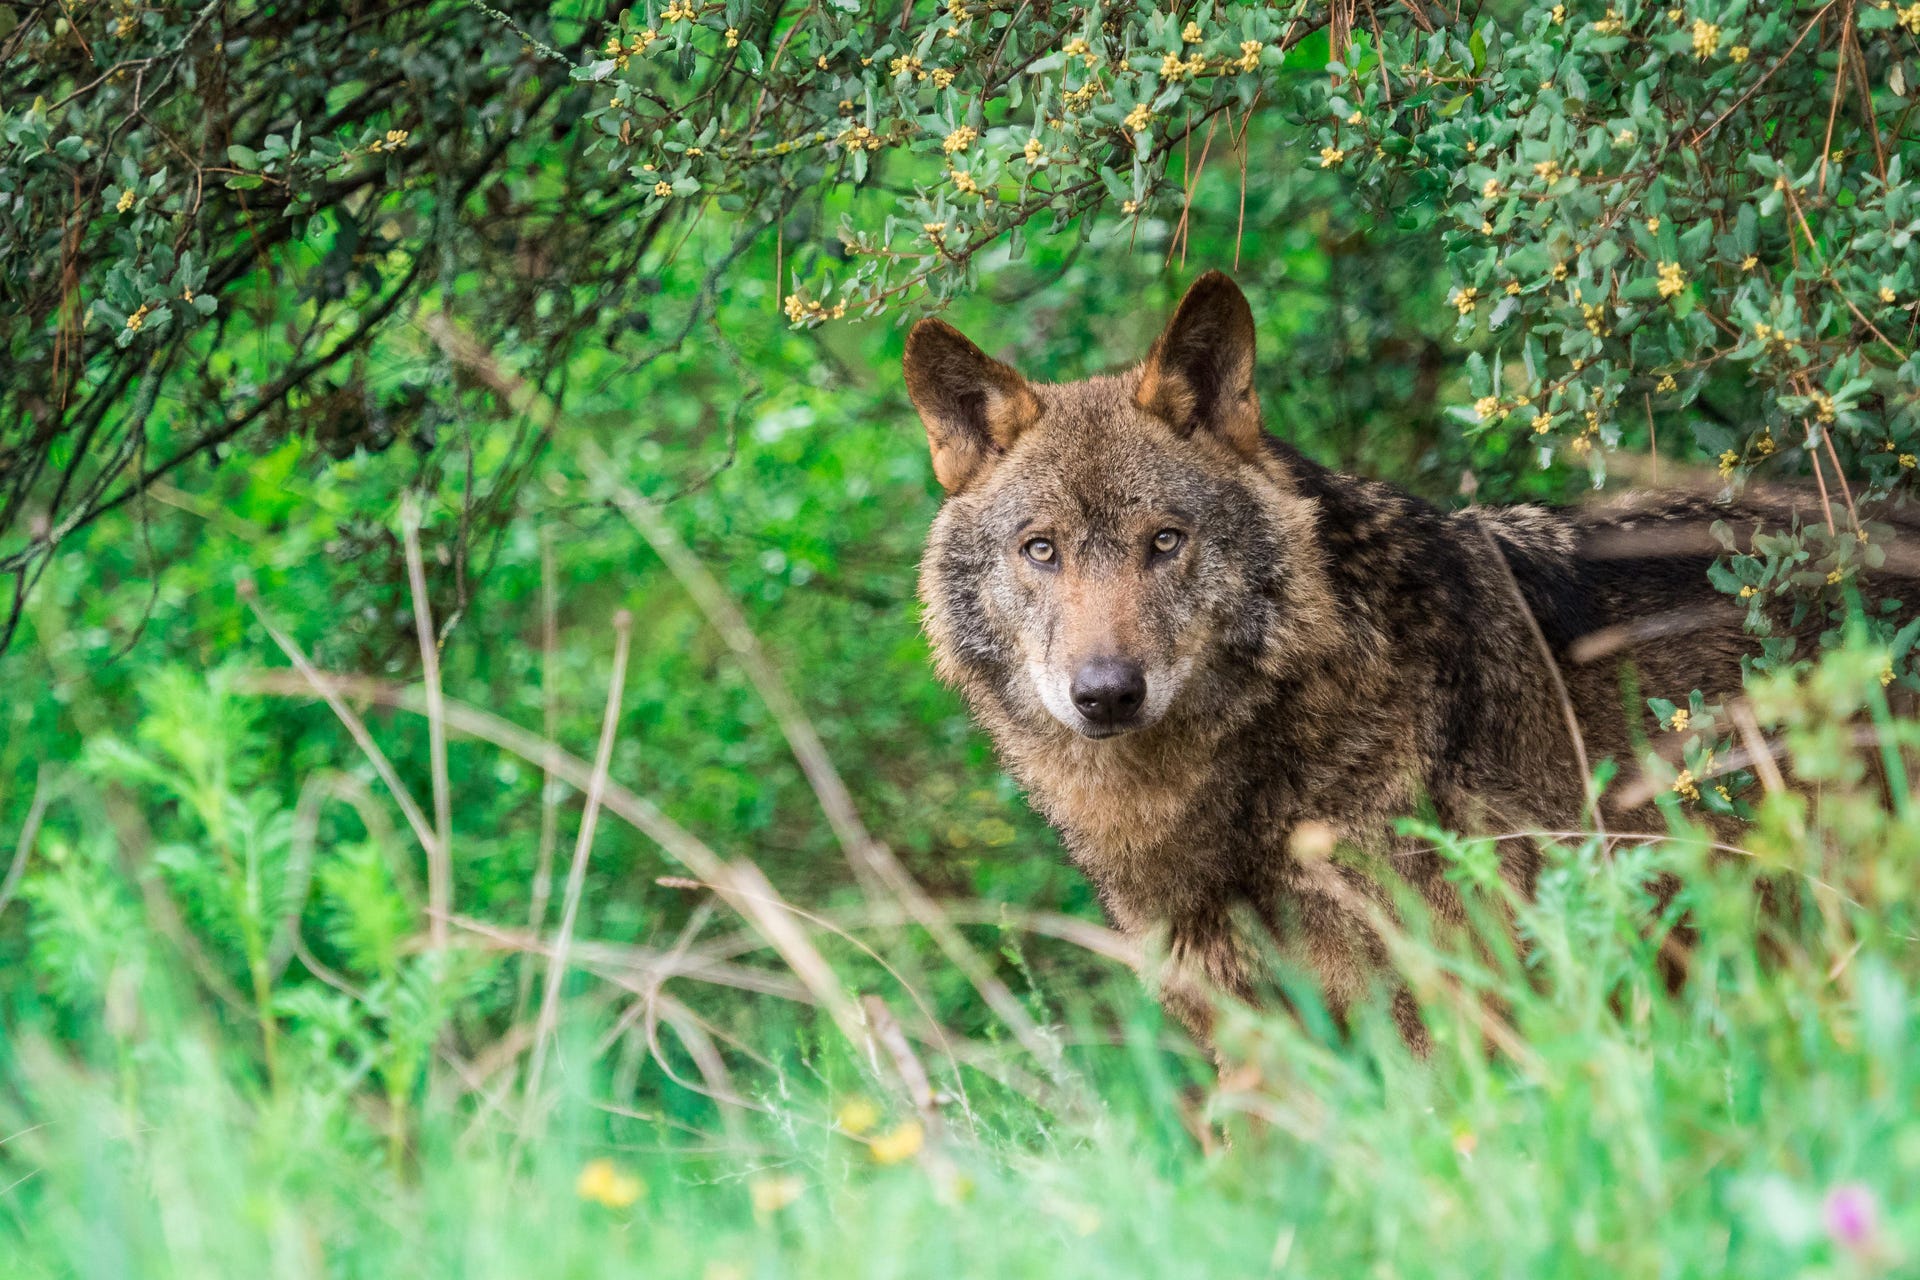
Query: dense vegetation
[[542, 359]]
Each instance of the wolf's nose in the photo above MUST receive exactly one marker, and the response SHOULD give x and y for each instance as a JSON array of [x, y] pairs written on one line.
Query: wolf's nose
[[1109, 691]]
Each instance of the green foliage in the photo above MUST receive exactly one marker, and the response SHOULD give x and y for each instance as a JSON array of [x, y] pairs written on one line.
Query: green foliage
[[229, 1046]]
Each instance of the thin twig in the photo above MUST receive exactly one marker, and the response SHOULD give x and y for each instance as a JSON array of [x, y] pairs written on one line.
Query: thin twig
[[577, 872], [440, 854]]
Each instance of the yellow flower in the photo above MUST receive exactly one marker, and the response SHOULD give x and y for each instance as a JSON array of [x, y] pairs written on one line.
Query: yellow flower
[[942, 77], [733, 37], [933, 228], [1172, 67], [1138, 117], [1822, 406], [1033, 152], [1723, 793], [1490, 189], [1191, 33], [1907, 460], [1833, 578], [137, 319], [1886, 292], [1559, 14], [1886, 675], [663, 189], [903, 64], [1625, 137], [1749, 592], [1559, 272], [1465, 300], [902, 1143], [1487, 407], [1739, 53], [857, 1115], [1549, 171], [1679, 720], [1611, 25], [1675, 15], [1749, 262], [1653, 226], [1706, 38], [1667, 384], [1672, 279], [960, 139], [774, 1192], [1129, 206], [602, 1182], [1686, 786], [1764, 445], [1249, 55], [1331, 156], [1728, 461], [1909, 18], [126, 202], [965, 182], [1513, 286]]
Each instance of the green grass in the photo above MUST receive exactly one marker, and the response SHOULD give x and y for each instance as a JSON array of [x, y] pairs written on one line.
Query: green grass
[[1572, 1119]]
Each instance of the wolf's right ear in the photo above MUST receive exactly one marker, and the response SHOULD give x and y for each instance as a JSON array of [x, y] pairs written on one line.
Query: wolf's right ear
[[1199, 375], [973, 406]]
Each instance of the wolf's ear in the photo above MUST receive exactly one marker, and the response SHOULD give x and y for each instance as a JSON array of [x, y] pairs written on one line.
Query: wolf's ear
[[1199, 375], [973, 406]]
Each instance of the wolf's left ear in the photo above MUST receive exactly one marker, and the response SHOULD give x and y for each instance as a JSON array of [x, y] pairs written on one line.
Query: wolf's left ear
[[973, 406], [1199, 375]]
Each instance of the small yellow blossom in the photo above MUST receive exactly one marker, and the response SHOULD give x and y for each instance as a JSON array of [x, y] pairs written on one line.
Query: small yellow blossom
[[733, 37], [1706, 38], [602, 1182], [1653, 226], [1331, 156], [773, 1192], [1749, 591], [821, 62], [1559, 14], [1910, 18], [1728, 461], [1129, 206], [903, 64], [1559, 272], [1908, 461], [1764, 446], [1886, 675], [902, 1143], [663, 189], [1723, 793], [1667, 384], [1625, 137], [1549, 171], [942, 77], [137, 319], [1249, 59], [126, 201], [1191, 33], [1685, 785], [1490, 189], [1676, 15], [1465, 300], [678, 11], [1834, 577], [1487, 408], [1886, 294], [1749, 262], [960, 139], [857, 1115], [1739, 53], [1679, 720], [965, 182], [1672, 279], [1823, 410], [1138, 118], [1513, 287], [1611, 25]]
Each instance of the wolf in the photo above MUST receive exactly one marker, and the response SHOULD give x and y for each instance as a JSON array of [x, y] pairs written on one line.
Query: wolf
[[1208, 659]]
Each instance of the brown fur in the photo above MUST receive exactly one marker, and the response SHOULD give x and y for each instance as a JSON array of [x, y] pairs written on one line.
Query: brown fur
[[1322, 653]]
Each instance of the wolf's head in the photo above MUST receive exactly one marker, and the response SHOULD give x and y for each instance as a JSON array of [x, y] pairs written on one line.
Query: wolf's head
[[1104, 542]]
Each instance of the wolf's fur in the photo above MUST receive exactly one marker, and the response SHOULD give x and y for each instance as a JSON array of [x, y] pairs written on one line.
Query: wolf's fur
[[1321, 655]]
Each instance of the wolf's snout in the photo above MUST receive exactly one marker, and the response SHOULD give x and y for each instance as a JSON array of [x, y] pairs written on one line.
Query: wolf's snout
[[1109, 692]]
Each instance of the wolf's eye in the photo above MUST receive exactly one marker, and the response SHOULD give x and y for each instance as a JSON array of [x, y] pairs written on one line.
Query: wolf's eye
[[1039, 550], [1168, 541]]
